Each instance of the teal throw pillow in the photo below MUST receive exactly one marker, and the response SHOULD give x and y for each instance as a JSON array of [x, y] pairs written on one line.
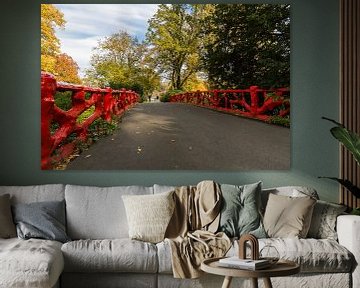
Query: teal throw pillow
[[240, 213]]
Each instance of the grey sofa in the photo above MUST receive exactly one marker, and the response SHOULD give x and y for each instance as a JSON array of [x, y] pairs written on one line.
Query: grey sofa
[[101, 254]]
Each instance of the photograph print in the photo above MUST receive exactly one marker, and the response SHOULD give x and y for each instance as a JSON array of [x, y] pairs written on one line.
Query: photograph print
[[165, 87]]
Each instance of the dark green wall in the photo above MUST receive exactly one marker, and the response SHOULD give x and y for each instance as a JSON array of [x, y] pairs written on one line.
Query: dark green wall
[[314, 88]]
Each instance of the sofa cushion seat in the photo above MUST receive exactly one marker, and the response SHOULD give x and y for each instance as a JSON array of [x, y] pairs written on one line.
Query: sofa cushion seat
[[110, 255], [30, 263], [313, 255]]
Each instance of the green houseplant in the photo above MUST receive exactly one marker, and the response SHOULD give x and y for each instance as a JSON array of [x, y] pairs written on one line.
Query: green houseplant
[[351, 141]]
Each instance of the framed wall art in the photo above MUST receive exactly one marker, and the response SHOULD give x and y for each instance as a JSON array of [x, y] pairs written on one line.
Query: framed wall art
[[165, 87]]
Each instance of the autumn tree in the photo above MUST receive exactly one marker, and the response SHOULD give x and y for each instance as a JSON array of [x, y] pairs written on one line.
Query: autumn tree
[[51, 18], [66, 69], [195, 83], [174, 37], [247, 45], [52, 60], [119, 61]]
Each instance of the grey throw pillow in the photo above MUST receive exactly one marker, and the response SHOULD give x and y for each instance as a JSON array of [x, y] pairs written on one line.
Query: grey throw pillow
[[44, 220], [7, 226], [323, 222], [240, 213]]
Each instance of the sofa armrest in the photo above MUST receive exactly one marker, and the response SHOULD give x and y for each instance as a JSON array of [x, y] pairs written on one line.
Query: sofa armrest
[[348, 230]]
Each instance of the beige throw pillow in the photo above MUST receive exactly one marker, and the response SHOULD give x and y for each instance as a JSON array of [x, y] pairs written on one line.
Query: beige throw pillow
[[288, 217], [149, 215], [7, 226]]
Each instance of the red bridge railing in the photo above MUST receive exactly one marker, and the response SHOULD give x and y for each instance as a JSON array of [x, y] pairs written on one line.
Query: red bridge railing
[[253, 102], [55, 145]]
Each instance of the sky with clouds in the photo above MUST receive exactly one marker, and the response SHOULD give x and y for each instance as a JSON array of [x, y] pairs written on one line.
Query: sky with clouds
[[86, 24]]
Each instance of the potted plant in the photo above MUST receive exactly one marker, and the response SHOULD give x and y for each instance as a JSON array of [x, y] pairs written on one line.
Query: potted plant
[[351, 141]]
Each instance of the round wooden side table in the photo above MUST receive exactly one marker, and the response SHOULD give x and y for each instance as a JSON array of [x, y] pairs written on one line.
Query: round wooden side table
[[281, 268]]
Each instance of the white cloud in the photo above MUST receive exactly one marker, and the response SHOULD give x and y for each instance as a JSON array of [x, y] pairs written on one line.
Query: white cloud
[[80, 50], [86, 24]]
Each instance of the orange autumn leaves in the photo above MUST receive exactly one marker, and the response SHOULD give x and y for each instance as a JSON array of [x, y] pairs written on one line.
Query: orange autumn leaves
[[61, 65]]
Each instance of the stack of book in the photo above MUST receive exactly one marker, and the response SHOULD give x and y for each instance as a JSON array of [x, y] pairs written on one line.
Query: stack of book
[[248, 264]]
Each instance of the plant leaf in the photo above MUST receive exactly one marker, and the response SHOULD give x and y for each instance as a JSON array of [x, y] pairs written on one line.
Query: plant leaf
[[347, 184], [333, 121], [349, 139]]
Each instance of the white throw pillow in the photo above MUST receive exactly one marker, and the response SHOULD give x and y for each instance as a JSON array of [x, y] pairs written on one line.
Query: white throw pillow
[[149, 215]]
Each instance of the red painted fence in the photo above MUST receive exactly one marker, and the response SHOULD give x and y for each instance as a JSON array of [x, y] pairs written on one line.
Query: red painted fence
[[253, 102], [106, 102]]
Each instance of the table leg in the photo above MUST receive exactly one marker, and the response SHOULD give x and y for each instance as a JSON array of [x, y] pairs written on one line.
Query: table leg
[[254, 282], [267, 283], [227, 282]]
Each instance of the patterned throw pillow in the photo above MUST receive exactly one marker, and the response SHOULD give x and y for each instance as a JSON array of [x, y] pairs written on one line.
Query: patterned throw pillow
[[240, 213], [323, 222], [149, 215], [7, 226], [288, 217]]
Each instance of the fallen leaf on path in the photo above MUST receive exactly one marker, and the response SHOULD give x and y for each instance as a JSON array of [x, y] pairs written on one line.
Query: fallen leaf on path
[[87, 156]]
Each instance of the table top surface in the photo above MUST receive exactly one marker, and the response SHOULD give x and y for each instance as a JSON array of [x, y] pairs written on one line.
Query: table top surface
[[281, 268]]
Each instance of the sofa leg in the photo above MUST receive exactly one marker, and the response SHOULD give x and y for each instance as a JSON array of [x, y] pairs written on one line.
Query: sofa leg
[[227, 282], [254, 282], [267, 282]]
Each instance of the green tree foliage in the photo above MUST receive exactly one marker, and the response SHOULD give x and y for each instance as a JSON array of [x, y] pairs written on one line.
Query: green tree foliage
[[247, 45], [174, 35], [119, 61]]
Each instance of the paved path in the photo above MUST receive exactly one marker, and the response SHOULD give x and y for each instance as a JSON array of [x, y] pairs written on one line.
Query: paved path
[[162, 136]]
